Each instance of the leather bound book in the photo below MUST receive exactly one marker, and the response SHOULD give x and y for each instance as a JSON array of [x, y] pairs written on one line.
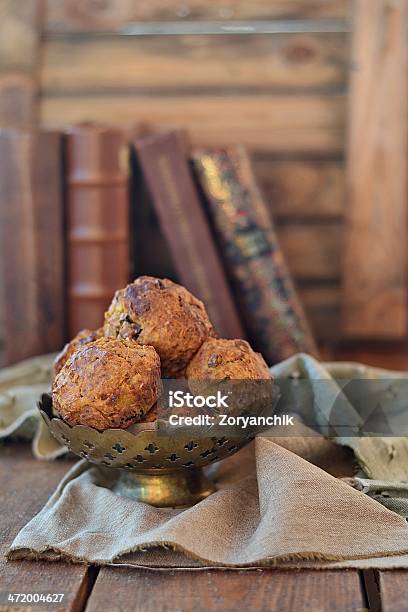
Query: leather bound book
[[269, 304], [97, 164], [31, 244], [165, 166]]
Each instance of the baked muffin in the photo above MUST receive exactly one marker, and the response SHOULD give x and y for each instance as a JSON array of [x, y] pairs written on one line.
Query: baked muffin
[[162, 314], [232, 367], [85, 336], [220, 359], [107, 383], [151, 416]]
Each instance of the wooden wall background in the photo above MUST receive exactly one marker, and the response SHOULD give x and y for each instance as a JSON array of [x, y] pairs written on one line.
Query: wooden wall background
[[285, 95]]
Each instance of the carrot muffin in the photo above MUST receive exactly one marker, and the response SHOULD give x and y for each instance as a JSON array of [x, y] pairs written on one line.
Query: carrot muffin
[[83, 337], [151, 416], [220, 359], [162, 314], [107, 383], [232, 367]]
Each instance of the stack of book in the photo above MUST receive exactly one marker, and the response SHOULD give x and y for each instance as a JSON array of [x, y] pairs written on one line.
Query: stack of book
[[72, 208]]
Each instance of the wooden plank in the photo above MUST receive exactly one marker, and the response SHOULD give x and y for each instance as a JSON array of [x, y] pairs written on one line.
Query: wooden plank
[[226, 590], [393, 586], [281, 123], [31, 243], [194, 63], [302, 189], [3, 356], [371, 586], [389, 355], [312, 250], [77, 15], [19, 45], [32, 482], [375, 291], [322, 307]]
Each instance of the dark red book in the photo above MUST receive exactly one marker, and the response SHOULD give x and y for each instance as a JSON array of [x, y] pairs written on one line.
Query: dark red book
[[31, 244], [165, 167], [97, 221], [269, 304]]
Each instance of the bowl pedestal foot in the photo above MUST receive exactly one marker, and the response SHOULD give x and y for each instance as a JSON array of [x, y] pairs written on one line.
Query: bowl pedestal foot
[[166, 489]]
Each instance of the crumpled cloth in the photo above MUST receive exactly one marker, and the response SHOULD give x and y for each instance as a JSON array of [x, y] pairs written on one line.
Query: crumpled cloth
[[393, 496], [381, 458], [272, 507], [273, 504], [21, 386]]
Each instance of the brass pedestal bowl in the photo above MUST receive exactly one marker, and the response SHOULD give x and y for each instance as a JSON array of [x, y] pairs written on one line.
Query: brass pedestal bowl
[[164, 471]]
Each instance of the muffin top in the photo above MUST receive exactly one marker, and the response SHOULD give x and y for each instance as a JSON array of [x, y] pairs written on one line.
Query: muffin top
[[161, 314], [107, 383], [85, 336], [151, 416], [234, 369], [220, 359]]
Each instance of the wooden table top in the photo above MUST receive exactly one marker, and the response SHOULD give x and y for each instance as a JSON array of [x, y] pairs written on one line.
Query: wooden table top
[[29, 483]]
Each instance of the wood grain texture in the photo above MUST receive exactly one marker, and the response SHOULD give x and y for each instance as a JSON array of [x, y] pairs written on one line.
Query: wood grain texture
[[200, 63], [227, 590], [3, 356], [393, 586], [19, 47], [375, 291], [280, 123], [322, 307], [77, 15], [302, 189], [388, 355], [311, 250], [26, 484], [372, 589], [31, 243]]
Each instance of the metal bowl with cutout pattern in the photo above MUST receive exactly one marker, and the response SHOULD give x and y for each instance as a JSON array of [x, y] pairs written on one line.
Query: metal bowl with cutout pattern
[[161, 470]]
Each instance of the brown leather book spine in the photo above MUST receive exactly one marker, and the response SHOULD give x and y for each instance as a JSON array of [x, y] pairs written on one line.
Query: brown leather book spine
[[97, 222], [164, 163], [31, 244], [269, 303]]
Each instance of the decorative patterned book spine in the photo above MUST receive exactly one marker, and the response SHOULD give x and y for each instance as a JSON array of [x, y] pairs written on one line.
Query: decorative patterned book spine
[[164, 162], [269, 304], [31, 244], [97, 222]]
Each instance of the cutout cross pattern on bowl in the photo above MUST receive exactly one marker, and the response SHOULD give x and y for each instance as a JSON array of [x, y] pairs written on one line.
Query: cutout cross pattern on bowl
[[158, 469]]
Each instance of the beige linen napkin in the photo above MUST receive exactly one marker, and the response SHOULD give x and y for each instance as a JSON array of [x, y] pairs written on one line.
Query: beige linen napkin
[[393, 496], [382, 458], [271, 508], [21, 386]]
